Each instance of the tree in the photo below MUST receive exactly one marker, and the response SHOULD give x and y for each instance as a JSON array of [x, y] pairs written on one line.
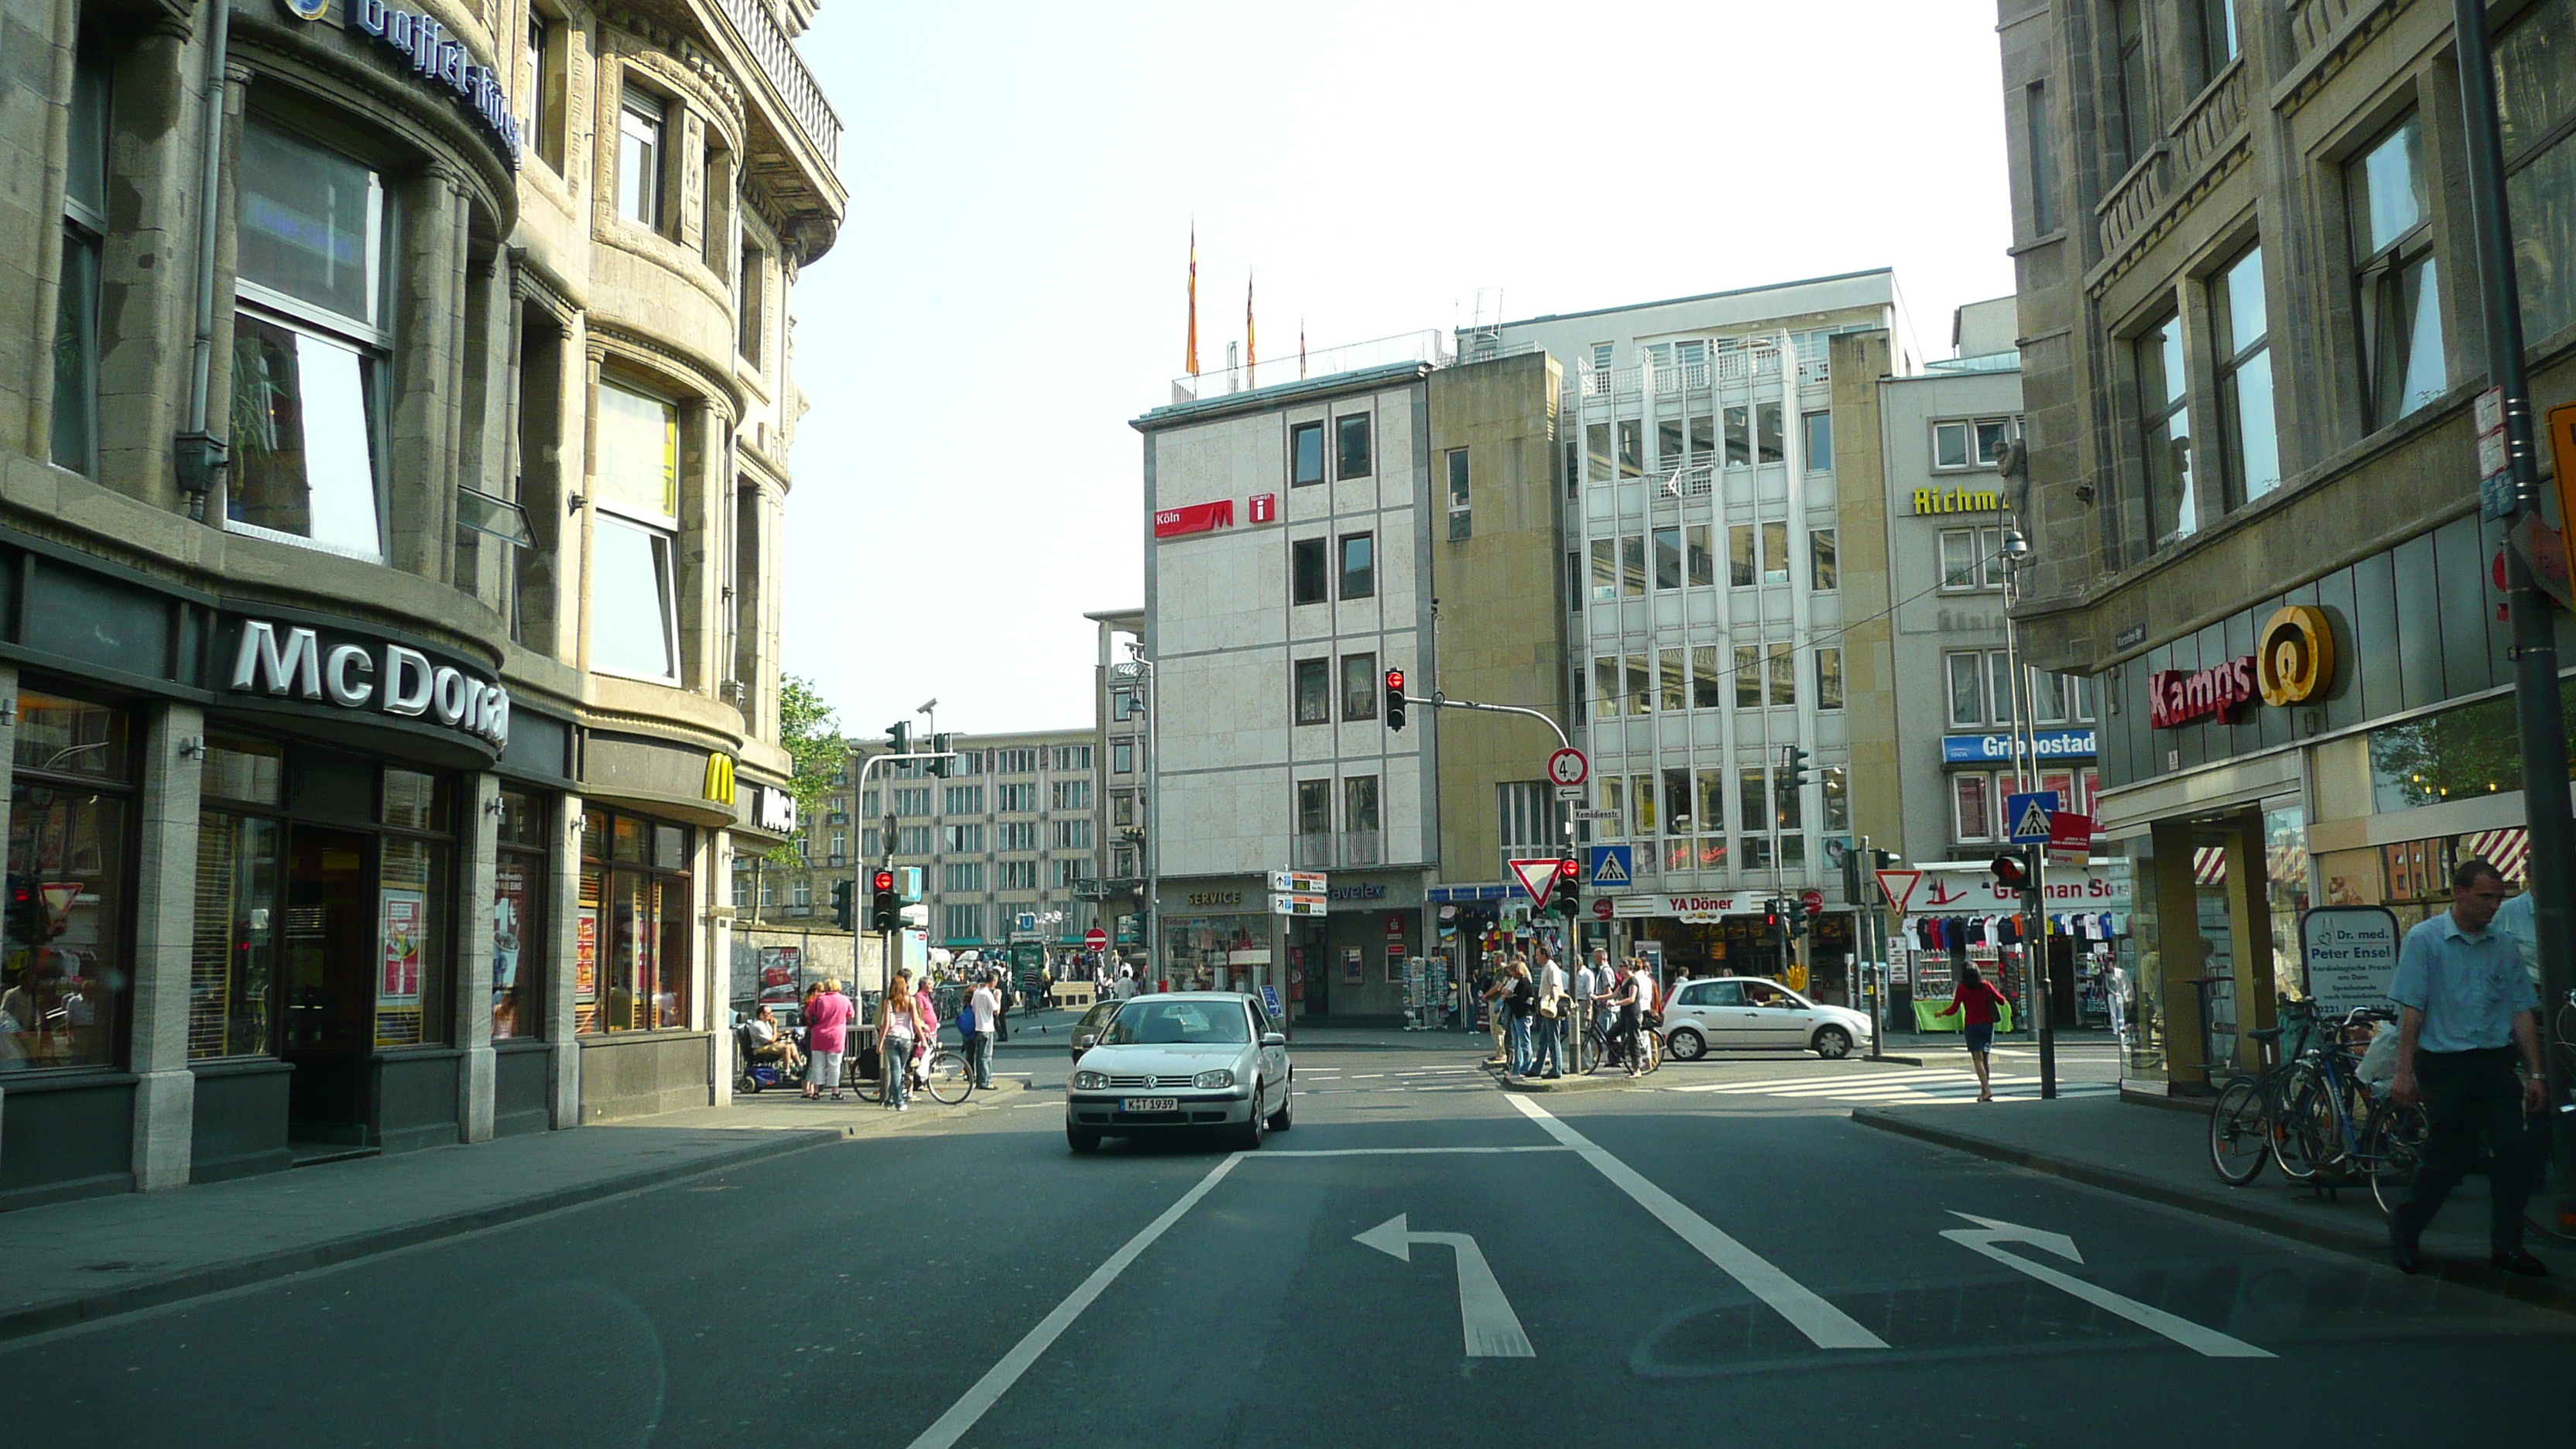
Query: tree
[[811, 735]]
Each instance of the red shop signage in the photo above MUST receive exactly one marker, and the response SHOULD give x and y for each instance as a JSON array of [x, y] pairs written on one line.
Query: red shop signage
[[2220, 691], [1196, 518]]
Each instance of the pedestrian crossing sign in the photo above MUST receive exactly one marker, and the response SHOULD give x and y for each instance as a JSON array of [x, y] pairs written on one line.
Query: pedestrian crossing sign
[[2029, 815], [1610, 866]]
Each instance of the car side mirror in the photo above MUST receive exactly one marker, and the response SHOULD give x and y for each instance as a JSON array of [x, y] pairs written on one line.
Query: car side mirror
[[1272, 1038], [1083, 1041]]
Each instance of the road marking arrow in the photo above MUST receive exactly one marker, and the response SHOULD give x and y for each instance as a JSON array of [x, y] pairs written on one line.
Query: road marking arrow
[[1492, 1329], [1983, 1239]]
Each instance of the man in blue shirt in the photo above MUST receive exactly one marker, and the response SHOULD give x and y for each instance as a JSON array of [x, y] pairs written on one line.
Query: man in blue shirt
[[2465, 1008]]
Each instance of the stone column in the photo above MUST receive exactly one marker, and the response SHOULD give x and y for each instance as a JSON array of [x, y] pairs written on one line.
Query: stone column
[[2249, 921], [165, 892], [429, 307], [563, 897], [715, 890], [473, 993]]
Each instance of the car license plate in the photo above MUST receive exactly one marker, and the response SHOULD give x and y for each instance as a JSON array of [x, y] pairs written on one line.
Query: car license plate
[[1149, 1104]]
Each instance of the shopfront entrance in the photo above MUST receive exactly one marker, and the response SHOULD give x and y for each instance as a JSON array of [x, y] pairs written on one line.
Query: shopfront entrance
[[330, 985]]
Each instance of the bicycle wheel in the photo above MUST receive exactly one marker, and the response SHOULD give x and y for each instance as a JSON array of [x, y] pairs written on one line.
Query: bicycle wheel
[[2239, 1139], [1650, 1051], [947, 1077], [2294, 1128], [2390, 1147]]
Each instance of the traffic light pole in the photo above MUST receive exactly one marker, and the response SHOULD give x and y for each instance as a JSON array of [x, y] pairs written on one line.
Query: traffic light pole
[[2034, 948], [888, 941]]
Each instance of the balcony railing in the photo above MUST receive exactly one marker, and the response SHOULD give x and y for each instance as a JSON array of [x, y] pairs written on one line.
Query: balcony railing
[[1326, 850], [2204, 135], [769, 44]]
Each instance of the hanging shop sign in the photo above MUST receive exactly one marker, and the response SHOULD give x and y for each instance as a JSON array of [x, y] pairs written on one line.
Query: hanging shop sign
[[1993, 749], [2294, 660], [2219, 692], [289, 661], [440, 58], [1195, 518]]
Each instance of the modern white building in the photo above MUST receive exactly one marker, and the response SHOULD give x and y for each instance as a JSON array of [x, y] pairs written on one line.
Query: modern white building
[[1705, 601]]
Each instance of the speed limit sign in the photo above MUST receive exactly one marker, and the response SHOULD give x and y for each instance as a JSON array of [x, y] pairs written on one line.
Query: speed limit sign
[[1568, 767]]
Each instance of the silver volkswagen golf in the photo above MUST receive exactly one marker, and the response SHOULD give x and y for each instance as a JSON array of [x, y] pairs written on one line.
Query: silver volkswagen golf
[[1182, 1059]]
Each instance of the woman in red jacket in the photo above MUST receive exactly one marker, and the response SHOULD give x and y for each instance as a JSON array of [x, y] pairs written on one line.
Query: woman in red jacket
[[1978, 997]]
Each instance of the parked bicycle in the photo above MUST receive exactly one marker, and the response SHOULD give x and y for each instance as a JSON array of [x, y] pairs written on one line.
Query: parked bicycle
[[2246, 1129], [2341, 1126]]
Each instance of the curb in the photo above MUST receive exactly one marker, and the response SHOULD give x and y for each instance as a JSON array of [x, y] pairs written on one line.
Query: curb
[[2552, 1293], [35, 1318]]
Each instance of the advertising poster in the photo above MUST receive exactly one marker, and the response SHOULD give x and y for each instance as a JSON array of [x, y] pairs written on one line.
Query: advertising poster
[[509, 906], [399, 982], [585, 956], [778, 970], [1352, 969]]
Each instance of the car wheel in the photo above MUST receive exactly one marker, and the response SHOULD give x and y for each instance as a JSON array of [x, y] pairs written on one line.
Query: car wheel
[[1286, 1116], [1685, 1045], [1247, 1138], [1833, 1043], [1081, 1139]]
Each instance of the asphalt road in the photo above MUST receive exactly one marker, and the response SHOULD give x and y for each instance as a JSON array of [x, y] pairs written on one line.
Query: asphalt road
[[1696, 1267]]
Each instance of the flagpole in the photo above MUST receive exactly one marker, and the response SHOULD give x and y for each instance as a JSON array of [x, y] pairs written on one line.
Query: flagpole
[[1190, 360]]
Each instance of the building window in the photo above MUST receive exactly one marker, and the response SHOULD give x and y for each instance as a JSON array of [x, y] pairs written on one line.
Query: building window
[[2216, 22], [800, 893], [70, 960], [1072, 794], [1016, 835], [1122, 758], [1632, 567], [1315, 808], [1640, 686], [1753, 805], [546, 62], [2137, 94], [2393, 276], [75, 406], [912, 801], [1675, 684], [2537, 105], [1314, 691], [1967, 687], [634, 614], [1359, 686], [2245, 380], [1351, 451], [1820, 442], [1017, 798], [1359, 805], [1459, 497], [309, 404], [1705, 677], [1641, 799], [1605, 687], [1784, 673], [1739, 556], [1991, 435], [1972, 558], [1950, 445], [751, 304], [1699, 555], [912, 840], [962, 800], [1018, 875], [1072, 757], [641, 118], [1971, 806], [961, 923], [1668, 557], [1775, 553], [958, 875], [1596, 451], [1836, 783], [635, 911], [1769, 446], [1073, 834], [1829, 678], [1739, 437], [962, 839], [1748, 676], [1359, 565], [1309, 570], [1824, 572], [1305, 453], [2041, 152], [2164, 422], [1122, 809]]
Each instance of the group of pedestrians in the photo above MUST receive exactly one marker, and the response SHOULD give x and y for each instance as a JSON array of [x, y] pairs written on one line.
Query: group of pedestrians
[[1536, 1013]]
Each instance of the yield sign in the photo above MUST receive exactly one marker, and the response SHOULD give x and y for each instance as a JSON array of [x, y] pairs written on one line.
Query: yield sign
[[1536, 877], [1898, 886], [59, 897]]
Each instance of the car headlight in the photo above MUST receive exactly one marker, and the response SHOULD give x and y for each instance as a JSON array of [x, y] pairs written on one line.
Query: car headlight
[[1210, 1081], [1090, 1081]]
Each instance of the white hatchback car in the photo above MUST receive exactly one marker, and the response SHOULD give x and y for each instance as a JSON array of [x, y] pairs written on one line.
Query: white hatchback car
[[1748, 1013], [1182, 1059]]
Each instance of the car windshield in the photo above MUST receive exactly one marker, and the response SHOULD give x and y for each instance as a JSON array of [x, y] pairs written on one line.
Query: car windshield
[[1163, 1023]]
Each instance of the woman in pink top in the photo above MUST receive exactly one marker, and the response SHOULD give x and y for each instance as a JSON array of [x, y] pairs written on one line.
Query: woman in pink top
[[827, 1028]]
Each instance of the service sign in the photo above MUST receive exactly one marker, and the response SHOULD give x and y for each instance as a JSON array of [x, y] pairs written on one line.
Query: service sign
[[1194, 518], [2351, 955]]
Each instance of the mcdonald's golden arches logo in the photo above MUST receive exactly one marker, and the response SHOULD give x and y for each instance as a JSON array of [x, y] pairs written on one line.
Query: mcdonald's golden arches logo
[[2294, 660], [719, 790]]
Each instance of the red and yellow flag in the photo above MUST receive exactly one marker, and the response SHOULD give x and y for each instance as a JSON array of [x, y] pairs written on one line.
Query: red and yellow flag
[[1191, 360]]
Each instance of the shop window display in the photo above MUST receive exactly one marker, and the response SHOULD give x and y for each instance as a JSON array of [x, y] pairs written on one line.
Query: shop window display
[[519, 918], [631, 959], [64, 969]]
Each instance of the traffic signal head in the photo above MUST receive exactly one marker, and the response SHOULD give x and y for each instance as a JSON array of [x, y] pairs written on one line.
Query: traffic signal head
[[845, 913], [944, 744], [2009, 871], [1395, 699], [885, 913], [899, 738], [1793, 765]]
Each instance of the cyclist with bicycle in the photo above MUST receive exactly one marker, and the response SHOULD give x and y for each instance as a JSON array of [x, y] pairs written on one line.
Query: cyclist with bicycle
[[2465, 1008], [1627, 998]]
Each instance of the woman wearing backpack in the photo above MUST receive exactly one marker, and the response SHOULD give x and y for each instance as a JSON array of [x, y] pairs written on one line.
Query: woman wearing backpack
[[1982, 1004]]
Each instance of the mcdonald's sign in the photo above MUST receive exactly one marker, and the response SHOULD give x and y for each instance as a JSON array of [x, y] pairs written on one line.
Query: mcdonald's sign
[[719, 787]]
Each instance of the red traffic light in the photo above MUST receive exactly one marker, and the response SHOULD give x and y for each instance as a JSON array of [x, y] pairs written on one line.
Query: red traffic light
[[884, 880], [1395, 681], [2009, 871], [1568, 870]]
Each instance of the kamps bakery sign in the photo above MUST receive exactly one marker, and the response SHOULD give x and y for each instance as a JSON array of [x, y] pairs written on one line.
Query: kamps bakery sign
[[295, 662]]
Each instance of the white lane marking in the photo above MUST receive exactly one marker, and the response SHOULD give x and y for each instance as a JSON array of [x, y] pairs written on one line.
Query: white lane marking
[[1825, 1325], [2208, 1342], [1362, 1076], [1407, 1151], [997, 1380], [1932, 1074], [1485, 1317]]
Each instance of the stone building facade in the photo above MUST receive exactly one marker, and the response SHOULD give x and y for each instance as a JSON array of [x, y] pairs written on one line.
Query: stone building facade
[[393, 454]]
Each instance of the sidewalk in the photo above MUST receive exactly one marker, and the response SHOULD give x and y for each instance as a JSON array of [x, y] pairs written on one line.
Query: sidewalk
[[2162, 1155], [93, 1258]]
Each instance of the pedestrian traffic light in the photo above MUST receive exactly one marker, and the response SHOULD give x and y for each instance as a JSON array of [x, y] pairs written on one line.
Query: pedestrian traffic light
[[1794, 769], [886, 912], [844, 909], [1395, 699], [2010, 873], [945, 746]]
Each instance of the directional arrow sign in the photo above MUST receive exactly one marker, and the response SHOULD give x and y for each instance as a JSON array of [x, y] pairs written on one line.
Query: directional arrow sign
[[1990, 1232], [1492, 1329]]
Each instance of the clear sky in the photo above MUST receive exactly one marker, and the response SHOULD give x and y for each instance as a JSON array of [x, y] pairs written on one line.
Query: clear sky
[[1008, 289]]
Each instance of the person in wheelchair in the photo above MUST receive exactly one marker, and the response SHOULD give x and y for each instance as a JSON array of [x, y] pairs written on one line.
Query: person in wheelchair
[[764, 1041]]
